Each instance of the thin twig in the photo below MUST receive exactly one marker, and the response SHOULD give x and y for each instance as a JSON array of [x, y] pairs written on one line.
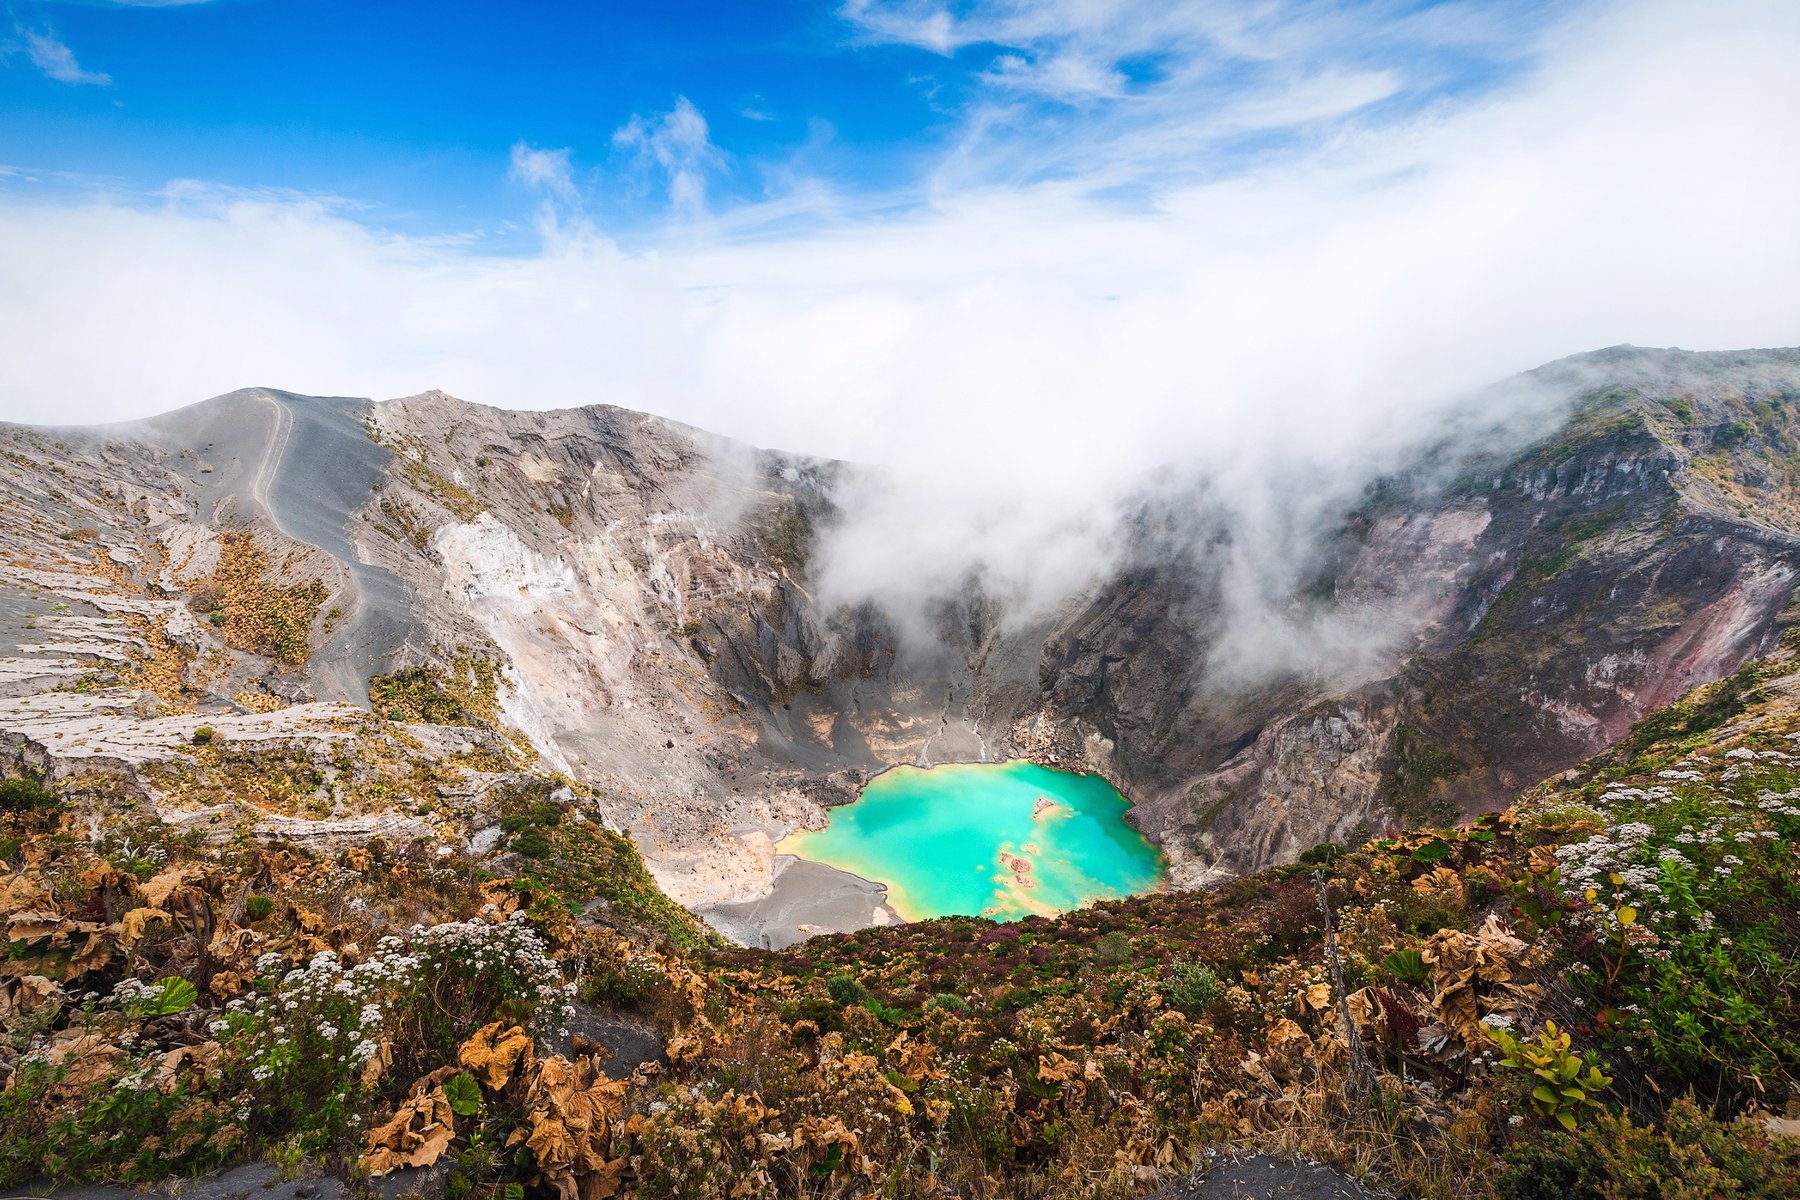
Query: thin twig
[[1362, 1073]]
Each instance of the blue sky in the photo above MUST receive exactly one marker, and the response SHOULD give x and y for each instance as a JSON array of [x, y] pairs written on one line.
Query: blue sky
[[890, 229], [1023, 252], [411, 112]]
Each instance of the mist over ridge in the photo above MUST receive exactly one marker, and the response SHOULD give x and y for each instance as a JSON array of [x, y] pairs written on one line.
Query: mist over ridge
[[1021, 599]]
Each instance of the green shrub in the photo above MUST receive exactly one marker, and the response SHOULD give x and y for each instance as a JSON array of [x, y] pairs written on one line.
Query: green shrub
[[1191, 987], [532, 842], [298, 1044], [1692, 1157], [948, 1003], [463, 1093], [164, 998], [1113, 950], [203, 735], [258, 908], [1322, 855], [845, 991], [1563, 1081], [820, 1011], [1408, 966], [620, 983], [122, 1129], [1432, 852], [26, 795], [884, 1013]]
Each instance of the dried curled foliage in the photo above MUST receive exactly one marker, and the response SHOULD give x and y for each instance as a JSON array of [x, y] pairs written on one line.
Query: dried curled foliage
[[493, 1054], [1096, 1053], [418, 1133], [1477, 975], [571, 1109]]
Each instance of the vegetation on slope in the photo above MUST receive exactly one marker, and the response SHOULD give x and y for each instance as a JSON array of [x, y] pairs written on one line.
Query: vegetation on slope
[[251, 610], [463, 692], [1592, 994]]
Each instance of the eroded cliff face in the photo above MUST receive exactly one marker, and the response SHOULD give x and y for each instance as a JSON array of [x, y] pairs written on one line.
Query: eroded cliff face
[[637, 592], [1541, 603], [644, 583], [636, 587]]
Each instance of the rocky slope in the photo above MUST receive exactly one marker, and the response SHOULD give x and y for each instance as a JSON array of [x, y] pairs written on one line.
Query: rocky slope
[[402, 1020], [1543, 600], [626, 602]]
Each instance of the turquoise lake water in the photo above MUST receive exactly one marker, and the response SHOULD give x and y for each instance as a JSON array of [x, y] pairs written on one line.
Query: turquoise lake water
[[1003, 840]]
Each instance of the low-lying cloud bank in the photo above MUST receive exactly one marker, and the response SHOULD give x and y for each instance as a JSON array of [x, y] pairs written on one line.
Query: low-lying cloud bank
[[1021, 357]]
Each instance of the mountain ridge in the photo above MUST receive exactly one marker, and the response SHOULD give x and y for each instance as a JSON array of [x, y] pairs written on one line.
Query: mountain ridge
[[642, 588]]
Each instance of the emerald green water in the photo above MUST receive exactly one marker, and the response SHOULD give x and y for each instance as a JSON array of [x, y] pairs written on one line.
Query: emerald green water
[[951, 840]]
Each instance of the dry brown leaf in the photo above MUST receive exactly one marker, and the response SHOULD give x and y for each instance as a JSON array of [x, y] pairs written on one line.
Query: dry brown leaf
[[912, 1059], [133, 924], [229, 985], [419, 1132], [1054, 1068], [32, 925], [499, 893], [1365, 1010], [1288, 1044], [94, 955], [1473, 973], [89, 1057], [550, 1142], [168, 1070], [378, 1063], [572, 1107], [494, 1054], [102, 874], [19, 894], [27, 994], [163, 885]]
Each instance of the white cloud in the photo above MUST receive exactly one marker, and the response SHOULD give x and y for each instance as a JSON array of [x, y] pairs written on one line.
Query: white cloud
[[57, 61], [926, 25], [679, 146], [1021, 354], [548, 171], [1068, 77]]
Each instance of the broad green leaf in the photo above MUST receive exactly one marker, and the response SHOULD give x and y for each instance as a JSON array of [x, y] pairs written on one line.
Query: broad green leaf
[[173, 994], [463, 1093]]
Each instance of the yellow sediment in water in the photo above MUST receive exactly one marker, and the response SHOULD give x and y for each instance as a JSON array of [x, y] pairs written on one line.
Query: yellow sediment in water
[[1003, 840]]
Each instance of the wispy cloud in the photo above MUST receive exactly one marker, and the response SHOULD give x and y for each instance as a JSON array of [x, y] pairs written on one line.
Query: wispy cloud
[[547, 171], [1146, 93], [57, 61], [1020, 345], [679, 147]]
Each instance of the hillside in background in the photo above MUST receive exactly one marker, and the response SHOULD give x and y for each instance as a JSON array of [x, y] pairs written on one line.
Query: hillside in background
[[1589, 994], [631, 604]]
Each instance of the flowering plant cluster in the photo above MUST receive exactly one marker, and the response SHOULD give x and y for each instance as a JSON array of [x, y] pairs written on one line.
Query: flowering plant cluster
[[1679, 901], [313, 1039]]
